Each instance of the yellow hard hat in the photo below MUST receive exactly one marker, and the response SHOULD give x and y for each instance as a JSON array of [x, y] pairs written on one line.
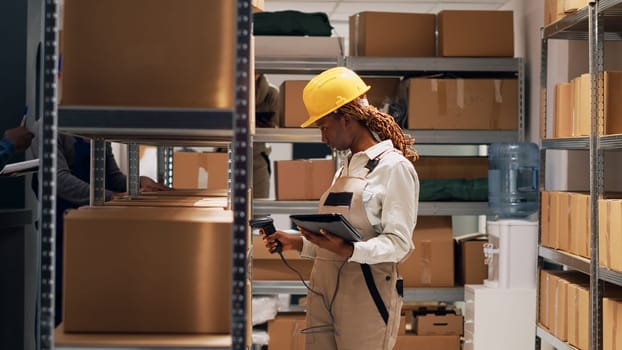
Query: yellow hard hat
[[330, 90]]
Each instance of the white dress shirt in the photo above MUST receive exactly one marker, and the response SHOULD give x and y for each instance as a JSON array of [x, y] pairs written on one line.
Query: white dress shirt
[[390, 198]]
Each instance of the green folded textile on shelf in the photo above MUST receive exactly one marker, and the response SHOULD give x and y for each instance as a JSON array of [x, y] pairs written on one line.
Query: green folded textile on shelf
[[453, 190], [294, 23]]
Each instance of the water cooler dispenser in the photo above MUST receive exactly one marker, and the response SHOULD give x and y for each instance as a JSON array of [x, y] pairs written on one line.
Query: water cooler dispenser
[[501, 313]]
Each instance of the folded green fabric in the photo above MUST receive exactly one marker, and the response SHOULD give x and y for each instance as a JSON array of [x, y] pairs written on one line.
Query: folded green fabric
[[294, 23], [453, 190]]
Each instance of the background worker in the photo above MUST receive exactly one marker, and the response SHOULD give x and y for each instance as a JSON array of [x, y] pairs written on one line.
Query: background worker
[[376, 189], [73, 190], [14, 140], [266, 107]]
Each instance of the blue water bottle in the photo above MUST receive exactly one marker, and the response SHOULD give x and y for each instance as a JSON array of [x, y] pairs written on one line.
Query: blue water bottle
[[513, 179]]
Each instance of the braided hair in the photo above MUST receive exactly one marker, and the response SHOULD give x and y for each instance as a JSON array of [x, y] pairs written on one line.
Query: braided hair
[[383, 125]]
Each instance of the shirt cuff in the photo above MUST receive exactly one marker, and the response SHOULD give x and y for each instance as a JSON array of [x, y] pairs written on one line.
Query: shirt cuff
[[357, 254]]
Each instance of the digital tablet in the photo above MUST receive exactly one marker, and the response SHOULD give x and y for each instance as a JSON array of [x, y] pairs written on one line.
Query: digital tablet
[[333, 223]]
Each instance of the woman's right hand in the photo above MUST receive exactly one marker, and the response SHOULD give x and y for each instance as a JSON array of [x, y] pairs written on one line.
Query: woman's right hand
[[288, 241]]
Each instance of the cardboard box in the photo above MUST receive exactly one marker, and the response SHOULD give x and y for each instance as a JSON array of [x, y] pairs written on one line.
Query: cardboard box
[[476, 33], [383, 90], [612, 106], [604, 234], [545, 218], [543, 297], [467, 104], [392, 34], [147, 270], [298, 46], [293, 112], [284, 331], [171, 201], [551, 12], [610, 235], [562, 114], [470, 265], [559, 318], [302, 179], [612, 103], [612, 325], [190, 192], [571, 6], [431, 324], [427, 342], [199, 170], [562, 282], [158, 53], [580, 223], [578, 314], [562, 222], [452, 167], [582, 105], [432, 262], [269, 267]]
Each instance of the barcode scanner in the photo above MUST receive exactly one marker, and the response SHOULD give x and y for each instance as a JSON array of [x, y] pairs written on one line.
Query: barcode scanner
[[267, 225]]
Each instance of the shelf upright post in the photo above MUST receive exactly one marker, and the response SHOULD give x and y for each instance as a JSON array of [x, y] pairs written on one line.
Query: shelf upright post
[[596, 51], [47, 178], [133, 176], [544, 59], [241, 146], [521, 99], [165, 165], [98, 172]]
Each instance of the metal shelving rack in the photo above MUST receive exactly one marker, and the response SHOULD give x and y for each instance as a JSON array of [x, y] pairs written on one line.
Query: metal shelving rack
[[391, 66], [152, 126], [599, 21]]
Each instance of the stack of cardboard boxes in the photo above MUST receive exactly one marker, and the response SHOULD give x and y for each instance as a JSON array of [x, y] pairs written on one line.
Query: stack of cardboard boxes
[[431, 327], [564, 308], [565, 222], [554, 10], [142, 269], [480, 104], [572, 106]]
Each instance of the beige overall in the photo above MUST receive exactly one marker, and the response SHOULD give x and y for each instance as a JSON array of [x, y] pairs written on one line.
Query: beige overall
[[357, 324]]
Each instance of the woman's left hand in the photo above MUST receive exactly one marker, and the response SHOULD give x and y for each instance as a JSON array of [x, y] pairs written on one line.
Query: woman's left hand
[[329, 242]]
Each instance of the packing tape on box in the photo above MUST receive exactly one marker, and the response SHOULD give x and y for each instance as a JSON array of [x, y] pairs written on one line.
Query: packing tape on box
[[460, 93], [498, 96], [426, 255], [440, 88], [308, 179], [497, 103]]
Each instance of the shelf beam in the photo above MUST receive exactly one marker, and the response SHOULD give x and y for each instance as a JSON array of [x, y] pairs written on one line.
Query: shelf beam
[[410, 294], [553, 340], [268, 207], [400, 65], [165, 126], [575, 262], [610, 276], [448, 137], [571, 143]]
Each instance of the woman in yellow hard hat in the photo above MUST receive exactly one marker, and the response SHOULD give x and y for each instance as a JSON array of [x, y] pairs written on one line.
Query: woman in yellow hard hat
[[354, 300]]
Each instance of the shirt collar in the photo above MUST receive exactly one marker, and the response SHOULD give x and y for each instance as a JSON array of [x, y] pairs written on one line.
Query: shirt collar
[[377, 149]]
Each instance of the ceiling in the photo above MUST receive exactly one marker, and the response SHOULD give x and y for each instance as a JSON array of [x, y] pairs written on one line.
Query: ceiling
[[338, 11]]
